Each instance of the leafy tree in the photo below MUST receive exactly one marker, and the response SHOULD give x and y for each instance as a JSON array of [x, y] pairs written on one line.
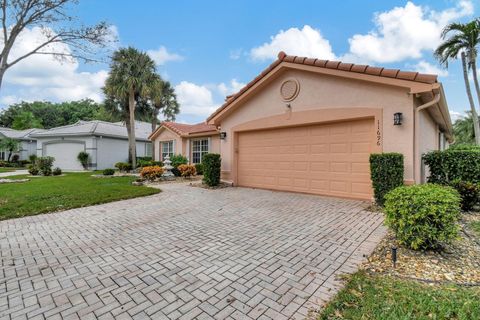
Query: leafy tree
[[26, 120], [463, 130], [57, 26], [462, 39], [57, 114], [131, 73], [9, 144]]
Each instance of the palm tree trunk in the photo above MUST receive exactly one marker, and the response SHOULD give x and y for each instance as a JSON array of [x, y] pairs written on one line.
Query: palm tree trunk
[[476, 127], [131, 137], [475, 80]]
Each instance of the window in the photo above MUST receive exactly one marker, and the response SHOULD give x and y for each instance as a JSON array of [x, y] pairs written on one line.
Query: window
[[166, 148], [148, 149], [199, 148]]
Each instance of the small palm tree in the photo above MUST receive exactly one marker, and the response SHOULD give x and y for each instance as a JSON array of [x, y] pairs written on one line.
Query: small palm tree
[[463, 130], [463, 40], [130, 76]]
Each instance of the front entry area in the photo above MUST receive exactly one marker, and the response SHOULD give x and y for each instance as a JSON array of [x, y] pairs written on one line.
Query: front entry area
[[327, 159]]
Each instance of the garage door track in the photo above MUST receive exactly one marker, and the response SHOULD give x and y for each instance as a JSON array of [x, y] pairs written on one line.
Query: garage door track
[[186, 253]]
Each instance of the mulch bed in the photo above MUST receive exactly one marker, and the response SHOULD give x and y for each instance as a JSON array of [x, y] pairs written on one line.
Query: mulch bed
[[458, 262]]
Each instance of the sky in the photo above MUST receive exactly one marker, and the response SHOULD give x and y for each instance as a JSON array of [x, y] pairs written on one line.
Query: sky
[[209, 49]]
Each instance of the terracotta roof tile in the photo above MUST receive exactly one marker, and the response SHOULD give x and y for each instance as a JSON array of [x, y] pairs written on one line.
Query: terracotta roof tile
[[346, 67], [186, 129]]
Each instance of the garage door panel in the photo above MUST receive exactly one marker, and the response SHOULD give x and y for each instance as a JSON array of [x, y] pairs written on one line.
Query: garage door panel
[[65, 154], [330, 159]]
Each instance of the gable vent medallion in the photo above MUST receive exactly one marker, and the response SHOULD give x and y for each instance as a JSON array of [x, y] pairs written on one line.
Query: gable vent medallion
[[289, 89]]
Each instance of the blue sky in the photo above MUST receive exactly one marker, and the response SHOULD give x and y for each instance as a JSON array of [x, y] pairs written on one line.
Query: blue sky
[[208, 49]]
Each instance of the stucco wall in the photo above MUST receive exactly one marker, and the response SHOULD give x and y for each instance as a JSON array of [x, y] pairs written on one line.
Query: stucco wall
[[427, 139], [323, 92], [104, 151], [167, 135]]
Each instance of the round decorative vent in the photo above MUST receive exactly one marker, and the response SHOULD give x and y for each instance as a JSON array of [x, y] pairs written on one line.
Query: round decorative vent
[[289, 89]]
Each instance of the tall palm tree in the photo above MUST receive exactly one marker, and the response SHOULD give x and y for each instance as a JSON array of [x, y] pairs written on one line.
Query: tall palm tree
[[165, 101], [462, 39], [130, 76]]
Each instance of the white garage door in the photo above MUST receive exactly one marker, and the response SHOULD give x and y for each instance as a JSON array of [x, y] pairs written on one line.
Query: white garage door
[[65, 155]]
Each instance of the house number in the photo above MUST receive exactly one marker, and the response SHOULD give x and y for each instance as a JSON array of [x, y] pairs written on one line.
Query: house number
[[379, 135]]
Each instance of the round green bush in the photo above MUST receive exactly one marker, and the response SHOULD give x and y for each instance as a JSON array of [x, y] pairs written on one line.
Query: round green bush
[[108, 172], [57, 171], [423, 216]]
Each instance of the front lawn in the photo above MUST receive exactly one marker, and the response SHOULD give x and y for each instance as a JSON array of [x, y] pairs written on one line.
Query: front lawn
[[48, 194], [380, 297], [7, 169]]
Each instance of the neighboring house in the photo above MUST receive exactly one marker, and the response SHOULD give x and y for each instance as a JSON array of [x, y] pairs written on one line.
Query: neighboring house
[[27, 144], [309, 125], [190, 140], [106, 142]]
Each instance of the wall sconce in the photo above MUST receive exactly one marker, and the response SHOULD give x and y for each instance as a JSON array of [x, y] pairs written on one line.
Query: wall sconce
[[223, 135], [397, 119]]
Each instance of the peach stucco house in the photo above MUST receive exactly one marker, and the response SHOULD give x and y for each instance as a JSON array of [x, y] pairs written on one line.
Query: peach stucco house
[[190, 140], [309, 125]]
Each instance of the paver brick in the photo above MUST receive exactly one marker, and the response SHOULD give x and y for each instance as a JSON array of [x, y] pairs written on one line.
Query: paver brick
[[186, 253]]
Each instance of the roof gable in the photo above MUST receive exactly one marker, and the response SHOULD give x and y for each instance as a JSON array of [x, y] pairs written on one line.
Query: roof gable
[[416, 82], [183, 129]]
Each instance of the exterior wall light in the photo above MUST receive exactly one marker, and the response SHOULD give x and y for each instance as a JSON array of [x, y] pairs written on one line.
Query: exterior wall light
[[223, 135], [397, 118]]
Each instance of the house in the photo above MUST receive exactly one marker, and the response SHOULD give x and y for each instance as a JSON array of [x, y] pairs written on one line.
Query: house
[[190, 140], [106, 142], [309, 125], [27, 143]]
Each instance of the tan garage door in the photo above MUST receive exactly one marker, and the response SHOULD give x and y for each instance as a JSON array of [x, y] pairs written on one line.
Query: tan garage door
[[327, 159]]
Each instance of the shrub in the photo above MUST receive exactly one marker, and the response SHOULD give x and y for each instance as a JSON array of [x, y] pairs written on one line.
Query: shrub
[[151, 173], [3, 163], [144, 159], [33, 170], [44, 165], [23, 163], [469, 193], [386, 171], [32, 158], [211, 169], [464, 147], [123, 166], [177, 160], [452, 164], [187, 170], [15, 158], [84, 158], [108, 172], [423, 216], [57, 171], [199, 168]]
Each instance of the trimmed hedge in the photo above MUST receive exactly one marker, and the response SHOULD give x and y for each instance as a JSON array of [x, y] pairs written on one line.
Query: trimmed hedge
[[453, 164], [199, 168], [211, 169], [386, 172], [469, 193], [423, 216]]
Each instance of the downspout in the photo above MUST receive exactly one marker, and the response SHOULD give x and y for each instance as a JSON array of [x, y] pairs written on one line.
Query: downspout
[[430, 103]]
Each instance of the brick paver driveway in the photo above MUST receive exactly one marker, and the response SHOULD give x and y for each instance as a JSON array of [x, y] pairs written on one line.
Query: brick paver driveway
[[186, 253]]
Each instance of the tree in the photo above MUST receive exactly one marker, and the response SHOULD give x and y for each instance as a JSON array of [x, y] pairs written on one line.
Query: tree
[[462, 39], [9, 144], [131, 73], [57, 27], [463, 130], [165, 101], [53, 115], [26, 120]]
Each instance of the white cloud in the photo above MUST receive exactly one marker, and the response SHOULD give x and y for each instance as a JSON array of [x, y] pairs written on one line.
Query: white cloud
[[162, 56], [404, 32], [454, 115], [426, 67], [233, 87], [236, 54], [42, 77], [307, 42], [195, 99]]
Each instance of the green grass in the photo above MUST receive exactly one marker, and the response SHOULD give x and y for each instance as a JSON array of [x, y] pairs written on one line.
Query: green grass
[[49, 194], [475, 227], [8, 169], [381, 297]]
